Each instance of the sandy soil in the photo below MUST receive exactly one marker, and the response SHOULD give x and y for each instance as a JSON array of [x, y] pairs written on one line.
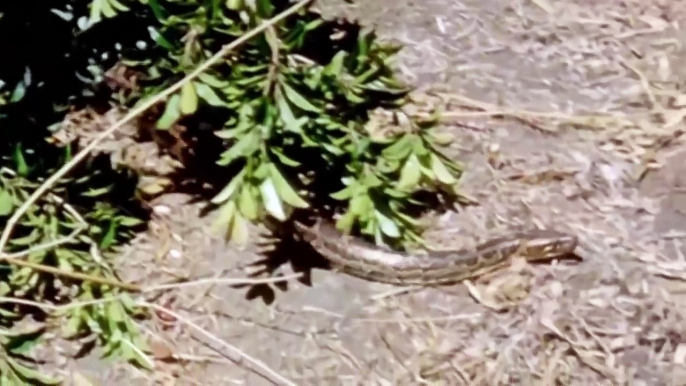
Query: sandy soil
[[567, 115]]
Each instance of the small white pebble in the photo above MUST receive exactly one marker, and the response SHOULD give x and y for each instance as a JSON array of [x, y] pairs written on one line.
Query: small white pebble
[[174, 254], [609, 173], [612, 241], [556, 289], [439, 23], [680, 354], [623, 342], [598, 302], [161, 209]]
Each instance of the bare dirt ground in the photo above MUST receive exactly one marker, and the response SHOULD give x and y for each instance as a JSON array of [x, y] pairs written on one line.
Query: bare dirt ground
[[567, 114]]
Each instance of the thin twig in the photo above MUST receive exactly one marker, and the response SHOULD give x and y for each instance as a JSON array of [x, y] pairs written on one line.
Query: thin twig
[[267, 372], [230, 280], [272, 76], [489, 109], [63, 240], [72, 275], [48, 245], [52, 307], [11, 223], [137, 288], [645, 84], [429, 319]]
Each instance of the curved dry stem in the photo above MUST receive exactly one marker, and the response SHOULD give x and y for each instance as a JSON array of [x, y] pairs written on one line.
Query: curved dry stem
[[238, 356]]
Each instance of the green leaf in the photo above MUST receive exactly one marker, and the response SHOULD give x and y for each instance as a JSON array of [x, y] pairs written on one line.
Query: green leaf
[[119, 6], [189, 99], [18, 93], [129, 222], [336, 66], [29, 375], [235, 5], [378, 235], [138, 356], [361, 205], [408, 220], [387, 225], [400, 149], [441, 171], [371, 180], [345, 223], [287, 116], [425, 167], [441, 139], [158, 37], [6, 203], [262, 170], [110, 236], [410, 174], [107, 9], [225, 216], [353, 98], [374, 85], [115, 314], [208, 95], [271, 200], [229, 189], [212, 80], [96, 11], [243, 126], [419, 149], [264, 8], [245, 147], [283, 158], [298, 99], [4, 290], [96, 192], [171, 113], [364, 43], [247, 203], [239, 230], [128, 303], [313, 24], [397, 194], [285, 190], [347, 192], [28, 239], [22, 343], [22, 167], [157, 9]]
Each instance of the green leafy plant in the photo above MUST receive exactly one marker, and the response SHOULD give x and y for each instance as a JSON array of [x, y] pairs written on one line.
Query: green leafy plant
[[74, 230], [12, 371], [78, 237], [293, 117]]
